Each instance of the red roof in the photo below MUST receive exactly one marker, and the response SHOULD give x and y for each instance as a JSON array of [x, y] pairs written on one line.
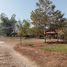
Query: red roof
[[52, 32]]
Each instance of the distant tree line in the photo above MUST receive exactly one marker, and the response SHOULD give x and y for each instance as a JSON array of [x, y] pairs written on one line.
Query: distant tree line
[[44, 18], [7, 26], [12, 27]]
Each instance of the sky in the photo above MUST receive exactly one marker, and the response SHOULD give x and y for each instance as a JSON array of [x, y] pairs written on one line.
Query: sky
[[23, 8], [61, 5]]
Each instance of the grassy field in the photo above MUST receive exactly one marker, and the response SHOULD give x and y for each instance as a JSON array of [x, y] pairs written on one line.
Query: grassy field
[[56, 48]]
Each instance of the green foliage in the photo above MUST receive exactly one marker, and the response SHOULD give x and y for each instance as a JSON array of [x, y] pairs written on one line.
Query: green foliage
[[37, 32], [24, 28], [7, 25], [38, 18], [26, 31], [46, 14], [26, 24]]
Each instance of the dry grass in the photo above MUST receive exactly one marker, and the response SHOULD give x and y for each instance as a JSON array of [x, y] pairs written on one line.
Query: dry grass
[[45, 55]]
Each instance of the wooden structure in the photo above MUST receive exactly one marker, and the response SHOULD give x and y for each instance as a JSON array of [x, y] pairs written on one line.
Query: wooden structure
[[51, 34]]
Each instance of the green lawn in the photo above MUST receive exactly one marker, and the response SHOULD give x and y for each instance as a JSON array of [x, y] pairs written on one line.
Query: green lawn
[[56, 48]]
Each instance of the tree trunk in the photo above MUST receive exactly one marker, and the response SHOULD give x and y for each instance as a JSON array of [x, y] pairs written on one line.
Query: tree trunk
[[45, 33]]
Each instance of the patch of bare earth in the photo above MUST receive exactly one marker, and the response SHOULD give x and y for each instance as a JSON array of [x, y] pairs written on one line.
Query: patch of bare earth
[[42, 58], [10, 58], [31, 48]]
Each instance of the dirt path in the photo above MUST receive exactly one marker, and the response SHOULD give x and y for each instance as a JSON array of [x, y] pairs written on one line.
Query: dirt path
[[10, 58]]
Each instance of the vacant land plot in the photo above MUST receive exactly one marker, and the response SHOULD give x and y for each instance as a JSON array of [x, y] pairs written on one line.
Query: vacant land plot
[[44, 54]]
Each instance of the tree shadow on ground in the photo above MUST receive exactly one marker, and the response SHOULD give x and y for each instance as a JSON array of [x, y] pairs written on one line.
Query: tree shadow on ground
[[57, 42]]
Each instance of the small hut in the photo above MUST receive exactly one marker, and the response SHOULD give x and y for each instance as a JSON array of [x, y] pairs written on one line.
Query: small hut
[[51, 34]]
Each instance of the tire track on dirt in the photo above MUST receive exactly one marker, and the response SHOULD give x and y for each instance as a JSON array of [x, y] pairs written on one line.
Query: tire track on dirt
[[10, 58]]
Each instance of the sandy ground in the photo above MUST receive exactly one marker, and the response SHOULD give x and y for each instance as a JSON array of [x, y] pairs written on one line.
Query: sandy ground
[[10, 58]]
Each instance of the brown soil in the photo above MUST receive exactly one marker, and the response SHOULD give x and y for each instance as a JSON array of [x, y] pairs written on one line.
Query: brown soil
[[42, 58], [31, 48], [10, 58]]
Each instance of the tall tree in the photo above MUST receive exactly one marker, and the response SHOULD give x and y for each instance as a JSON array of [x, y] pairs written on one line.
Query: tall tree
[[7, 24], [46, 14], [46, 17], [42, 15], [13, 22], [24, 28]]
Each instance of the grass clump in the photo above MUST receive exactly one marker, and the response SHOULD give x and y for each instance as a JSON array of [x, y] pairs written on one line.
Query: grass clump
[[56, 48]]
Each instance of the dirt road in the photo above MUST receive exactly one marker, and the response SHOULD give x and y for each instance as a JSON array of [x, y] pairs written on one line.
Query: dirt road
[[10, 58]]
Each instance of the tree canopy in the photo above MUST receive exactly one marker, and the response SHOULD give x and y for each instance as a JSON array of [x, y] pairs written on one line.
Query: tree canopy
[[8, 25], [47, 15]]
